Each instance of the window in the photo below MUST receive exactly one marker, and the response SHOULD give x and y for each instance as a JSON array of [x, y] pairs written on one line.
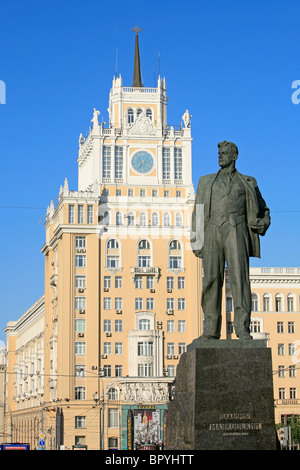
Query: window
[[170, 349], [80, 282], [281, 349], [118, 162], [80, 325], [107, 371], [166, 163], [181, 348], [112, 443], [170, 282], [113, 394], [80, 242], [281, 393], [178, 220], [138, 282], [107, 303], [181, 326], [280, 327], [138, 303], [149, 113], [119, 348], [167, 221], [130, 116], [181, 282], [106, 162], [255, 326], [80, 214], [291, 327], [266, 303], [292, 371], [138, 112], [107, 326], [291, 349], [278, 303], [142, 192], [281, 371], [290, 303], [175, 255], [178, 163], [112, 261], [293, 393], [175, 262], [130, 192], [170, 304], [178, 193], [150, 303], [144, 324], [80, 303], [71, 214], [107, 282], [145, 370], [80, 261], [80, 347], [144, 261], [145, 348], [171, 371], [113, 417], [119, 218], [118, 282], [254, 304], [143, 219], [80, 370], [90, 215], [170, 326], [118, 371], [150, 282], [80, 422], [166, 193], [118, 326], [106, 348], [130, 218], [181, 304], [154, 192], [118, 303], [155, 219]]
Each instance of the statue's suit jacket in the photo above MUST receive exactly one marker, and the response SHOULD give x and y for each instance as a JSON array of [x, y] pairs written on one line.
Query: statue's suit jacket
[[255, 209]]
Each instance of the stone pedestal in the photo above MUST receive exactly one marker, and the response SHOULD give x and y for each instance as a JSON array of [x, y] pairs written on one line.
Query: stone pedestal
[[223, 398]]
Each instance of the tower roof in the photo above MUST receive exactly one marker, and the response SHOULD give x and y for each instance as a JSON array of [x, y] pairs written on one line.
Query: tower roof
[[137, 77]]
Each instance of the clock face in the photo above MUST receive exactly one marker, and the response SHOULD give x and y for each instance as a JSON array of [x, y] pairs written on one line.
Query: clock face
[[142, 162]]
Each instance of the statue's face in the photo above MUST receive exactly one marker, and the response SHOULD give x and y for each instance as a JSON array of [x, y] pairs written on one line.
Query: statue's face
[[226, 156]]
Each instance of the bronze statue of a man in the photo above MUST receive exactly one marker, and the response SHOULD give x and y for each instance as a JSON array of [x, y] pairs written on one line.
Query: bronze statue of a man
[[235, 214]]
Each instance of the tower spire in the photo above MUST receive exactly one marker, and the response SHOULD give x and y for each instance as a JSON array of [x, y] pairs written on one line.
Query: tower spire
[[137, 77]]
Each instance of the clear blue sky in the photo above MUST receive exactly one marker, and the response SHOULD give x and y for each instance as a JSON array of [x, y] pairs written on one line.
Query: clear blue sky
[[231, 63]]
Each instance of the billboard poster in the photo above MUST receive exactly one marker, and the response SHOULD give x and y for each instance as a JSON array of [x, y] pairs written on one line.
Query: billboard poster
[[147, 429]]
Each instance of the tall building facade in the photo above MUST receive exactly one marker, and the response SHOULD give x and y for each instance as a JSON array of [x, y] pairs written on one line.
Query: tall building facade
[[92, 363], [119, 306]]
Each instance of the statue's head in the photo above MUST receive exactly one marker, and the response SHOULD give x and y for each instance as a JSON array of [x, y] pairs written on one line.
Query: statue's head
[[228, 153]]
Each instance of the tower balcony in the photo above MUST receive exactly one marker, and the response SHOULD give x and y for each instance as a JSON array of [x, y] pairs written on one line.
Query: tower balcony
[[145, 270]]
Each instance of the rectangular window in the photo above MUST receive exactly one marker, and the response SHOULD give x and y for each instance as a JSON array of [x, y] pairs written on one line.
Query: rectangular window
[[181, 348], [138, 282], [90, 214], [170, 282], [80, 261], [80, 347], [281, 393], [79, 393], [107, 303], [107, 371], [144, 261], [80, 325], [80, 282], [293, 393], [119, 348], [170, 304], [145, 370], [170, 326], [291, 327], [181, 304], [281, 371], [280, 327], [80, 242], [118, 282], [71, 214], [106, 162], [118, 326], [181, 282], [178, 163], [175, 262], [171, 371], [138, 303], [150, 282], [107, 348], [107, 282], [107, 326], [150, 303], [80, 422], [112, 261], [171, 349], [130, 192], [113, 417], [118, 371], [80, 303], [292, 371], [80, 370], [281, 349], [291, 349], [145, 348], [166, 163], [181, 326], [119, 162], [118, 303], [80, 214]]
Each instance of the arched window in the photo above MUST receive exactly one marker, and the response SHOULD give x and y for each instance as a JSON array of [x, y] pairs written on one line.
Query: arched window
[[266, 302], [113, 393], [155, 219], [119, 218], [130, 116], [167, 221], [290, 303], [178, 220], [138, 112], [149, 113], [278, 303], [144, 254], [130, 218], [175, 255], [254, 303], [113, 254], [143, 219]]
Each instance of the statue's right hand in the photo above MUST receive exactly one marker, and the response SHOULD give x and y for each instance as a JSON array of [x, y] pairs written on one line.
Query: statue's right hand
[[198, 253]]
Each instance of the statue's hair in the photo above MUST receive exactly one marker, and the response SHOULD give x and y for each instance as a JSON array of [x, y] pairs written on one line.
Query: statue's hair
[[232, 146]]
